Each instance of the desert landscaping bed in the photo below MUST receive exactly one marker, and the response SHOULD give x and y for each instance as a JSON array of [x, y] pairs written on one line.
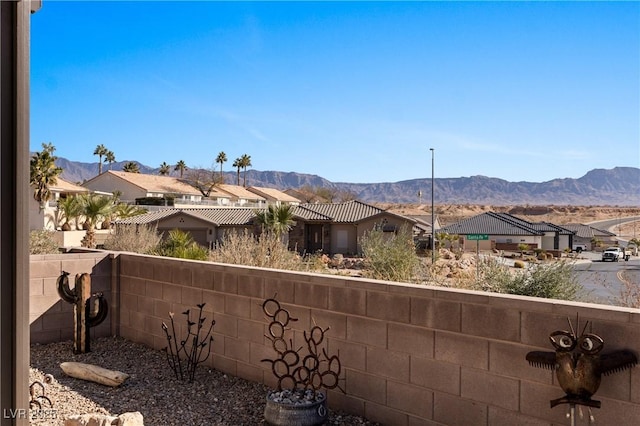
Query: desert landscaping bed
[[213, 398]]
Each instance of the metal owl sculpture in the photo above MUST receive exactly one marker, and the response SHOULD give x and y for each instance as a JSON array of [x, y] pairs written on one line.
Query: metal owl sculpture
[[578, 364]]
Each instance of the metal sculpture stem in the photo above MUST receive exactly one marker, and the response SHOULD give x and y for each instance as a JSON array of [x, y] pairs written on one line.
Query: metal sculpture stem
[[191, 349]]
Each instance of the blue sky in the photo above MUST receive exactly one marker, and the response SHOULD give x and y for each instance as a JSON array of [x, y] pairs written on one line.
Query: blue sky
[[351, 91]]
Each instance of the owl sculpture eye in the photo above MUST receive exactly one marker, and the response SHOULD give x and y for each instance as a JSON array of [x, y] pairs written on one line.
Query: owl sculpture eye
[[563, 340], [590, 343]]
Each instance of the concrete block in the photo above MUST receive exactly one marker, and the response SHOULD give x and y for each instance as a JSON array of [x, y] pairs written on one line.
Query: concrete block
[[366, 386], [202, 278], [337, 323], [389, 307], [252, 331], [314, 296], [367, 331], [251, 285], [388, 363], [509, 359], [413, 340], [352, 355], [410, 399], [237, 349], [153, 289], [171, 293], [436, 375], [214, 302], [161, 309], [226, 325], [191, 296], [494, 323], [145, 305], [181, 274], [462, 350], [36, 287], [348, 300], [284, 289], [436, 314], [224, 364], [483, 386], [225, 282], [455, 411], [500, 416], [385, 415], [336, 400]]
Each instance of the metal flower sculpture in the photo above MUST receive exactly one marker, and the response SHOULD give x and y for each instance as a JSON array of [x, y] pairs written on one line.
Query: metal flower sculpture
[[578, 364]]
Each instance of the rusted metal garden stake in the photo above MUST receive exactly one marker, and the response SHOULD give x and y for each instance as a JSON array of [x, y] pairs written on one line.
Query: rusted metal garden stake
[[84, 318]]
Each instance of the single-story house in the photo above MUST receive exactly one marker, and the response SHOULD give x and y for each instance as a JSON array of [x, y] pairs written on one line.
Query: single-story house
[[338, 227], [207, 226], [585, 234], [504, 231]]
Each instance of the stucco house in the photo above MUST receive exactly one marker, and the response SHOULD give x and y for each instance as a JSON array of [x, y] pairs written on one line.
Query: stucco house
[[274, 196], [137, 185], [338, 227], [506, 232], [585, 234], [46, 216], [206, 225], [242, 197]]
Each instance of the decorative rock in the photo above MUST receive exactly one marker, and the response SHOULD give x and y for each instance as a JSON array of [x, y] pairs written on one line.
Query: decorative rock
[[94, 373], [131, 419], [94, 419]]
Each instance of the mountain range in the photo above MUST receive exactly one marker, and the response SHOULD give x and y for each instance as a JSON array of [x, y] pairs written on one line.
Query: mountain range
[[619, 186]]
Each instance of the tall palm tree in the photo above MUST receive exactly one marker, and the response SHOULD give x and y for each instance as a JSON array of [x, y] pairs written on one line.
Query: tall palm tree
[[237, 163], [100, 151], [131, 167], [110, 158], [164, 168], [44, 173], [221, 158], [246, 162], [182, 166]]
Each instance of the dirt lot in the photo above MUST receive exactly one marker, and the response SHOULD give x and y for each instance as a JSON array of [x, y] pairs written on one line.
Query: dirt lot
[[451, 213]]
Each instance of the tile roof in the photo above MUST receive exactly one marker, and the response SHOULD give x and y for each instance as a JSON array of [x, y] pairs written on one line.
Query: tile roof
[[587, 231], [493, 224], [222, 216], [274, 194], [240, 192], [66, 186], [347, 212], [155, 183]]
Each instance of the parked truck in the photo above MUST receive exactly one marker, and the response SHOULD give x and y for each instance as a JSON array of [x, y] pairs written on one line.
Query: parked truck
[[615, 254], [579, 248]]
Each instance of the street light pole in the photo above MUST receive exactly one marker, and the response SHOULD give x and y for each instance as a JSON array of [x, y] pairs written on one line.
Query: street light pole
[[433, 227]]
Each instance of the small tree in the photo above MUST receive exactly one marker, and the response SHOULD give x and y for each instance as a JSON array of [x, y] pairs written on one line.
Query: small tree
[[276, 219], [522, 247], [94, 208], [71, 209]]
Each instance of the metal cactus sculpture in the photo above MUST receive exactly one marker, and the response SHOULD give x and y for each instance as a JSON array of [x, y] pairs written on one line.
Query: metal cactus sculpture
[[579, 366], [84, 317]]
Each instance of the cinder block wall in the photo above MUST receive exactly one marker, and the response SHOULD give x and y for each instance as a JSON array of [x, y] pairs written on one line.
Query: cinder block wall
[[51, 318], [411, 355]]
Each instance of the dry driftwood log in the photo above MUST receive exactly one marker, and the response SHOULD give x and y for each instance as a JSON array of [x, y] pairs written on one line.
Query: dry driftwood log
[[94, 373]]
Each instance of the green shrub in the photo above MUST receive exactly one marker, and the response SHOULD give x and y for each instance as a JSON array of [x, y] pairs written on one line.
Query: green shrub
[[518, 264], [42, 242], [180, 244], [556, 280], [390, 256], [142, 239]]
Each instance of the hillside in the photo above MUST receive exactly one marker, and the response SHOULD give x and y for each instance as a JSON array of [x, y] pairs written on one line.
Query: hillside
[[619, 186]]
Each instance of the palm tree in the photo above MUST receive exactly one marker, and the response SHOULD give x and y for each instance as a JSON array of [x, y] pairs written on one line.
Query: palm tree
[[131, 167], [110, 158], [164, 168], [237, 163], [221, 158], [182, 166], [100, 151], [71, 209], [246, 162], [94, 208], [44, 173], [276, 219]]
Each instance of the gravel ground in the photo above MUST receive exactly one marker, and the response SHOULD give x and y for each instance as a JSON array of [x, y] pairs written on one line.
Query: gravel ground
[[214, 398]]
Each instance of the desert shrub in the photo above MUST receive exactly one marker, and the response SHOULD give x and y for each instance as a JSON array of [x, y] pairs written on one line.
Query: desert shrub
[[556, 280], [518, 264], [180, 244], [266, 250], [390, 256], [42, 242], [134, 238]]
